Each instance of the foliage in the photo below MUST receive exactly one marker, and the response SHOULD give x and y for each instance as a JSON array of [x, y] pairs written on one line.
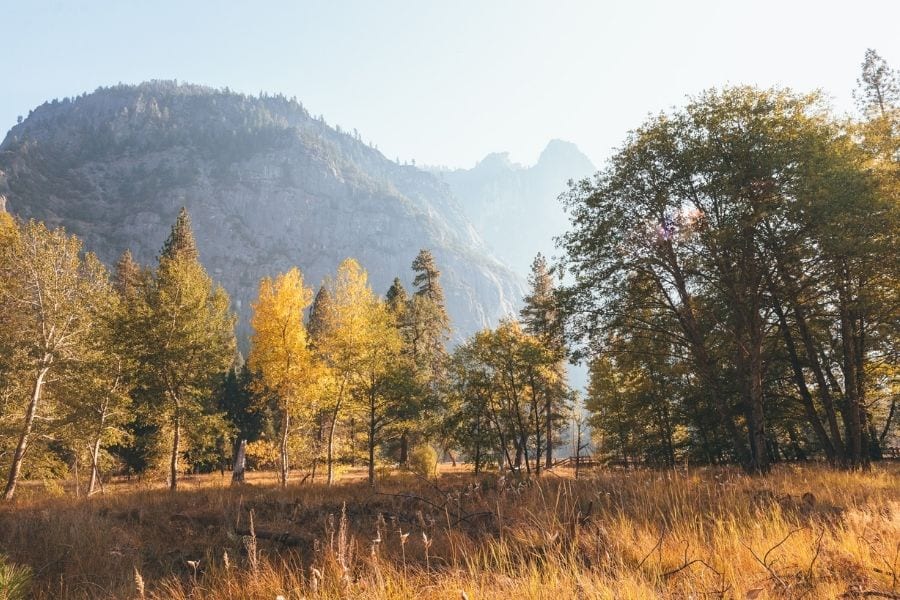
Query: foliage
[[185, 341], [423, 461], [725, 243], [15, 580]]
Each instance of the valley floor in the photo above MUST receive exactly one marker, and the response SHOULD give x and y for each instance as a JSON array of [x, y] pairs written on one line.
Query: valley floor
[[802, 532]]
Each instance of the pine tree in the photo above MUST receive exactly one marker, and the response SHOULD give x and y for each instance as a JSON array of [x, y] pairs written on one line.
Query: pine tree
[[128, 278], [188, 340], [541, 317], [427, 332], [397, 297], [428, 316], [181, 239], [427, 278], [318, 313]]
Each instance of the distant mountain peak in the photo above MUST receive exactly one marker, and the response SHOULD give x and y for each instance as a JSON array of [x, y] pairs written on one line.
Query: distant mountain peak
[[557, 154], [515, 207], [565, 155], [497, 161]]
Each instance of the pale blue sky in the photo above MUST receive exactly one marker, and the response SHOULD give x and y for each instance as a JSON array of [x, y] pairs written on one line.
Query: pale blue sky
[[447, 82]]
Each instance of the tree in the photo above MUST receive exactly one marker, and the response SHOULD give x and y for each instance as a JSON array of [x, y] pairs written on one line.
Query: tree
[[397, 297], [53, 297], [498, 381], [129, 278], [542, 318], [425, 326], [188, 340], [430, 319], [691, 220], [471, 398], [280, 350], [411, 384], [318, 313], [241, 407], [181, 240], [95, 390], [359, 343]]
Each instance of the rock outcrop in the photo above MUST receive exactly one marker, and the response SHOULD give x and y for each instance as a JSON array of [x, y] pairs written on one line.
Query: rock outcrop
[[515, 208]]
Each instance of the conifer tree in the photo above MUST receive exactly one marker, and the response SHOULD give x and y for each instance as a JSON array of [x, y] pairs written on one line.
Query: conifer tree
[[188, 340], [430, 321], [129, 278], [181, 239], [397, 297], [427, 332], [542, 319], [318, 313]]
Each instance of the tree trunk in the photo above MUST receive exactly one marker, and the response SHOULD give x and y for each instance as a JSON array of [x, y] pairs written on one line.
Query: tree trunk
[[478, 447], [536, 411], [176, 442], [577, 449], [404, 449], [330, 451], [812, 356], [887, 424], [240, 463], [757, 423], [548, 416], [853, 410], [371, 440], [285, 429], [95, 465], [15, 468], [707, 369], [800, 380]]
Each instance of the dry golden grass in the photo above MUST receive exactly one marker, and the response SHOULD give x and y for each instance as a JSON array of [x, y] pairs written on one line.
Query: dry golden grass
[[640, 534]]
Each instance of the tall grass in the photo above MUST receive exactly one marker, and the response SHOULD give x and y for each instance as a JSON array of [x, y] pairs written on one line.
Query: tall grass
[[802, 532]]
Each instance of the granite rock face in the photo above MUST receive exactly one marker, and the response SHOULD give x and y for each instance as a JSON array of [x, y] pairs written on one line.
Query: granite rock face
[[268, 186], [514, 207]]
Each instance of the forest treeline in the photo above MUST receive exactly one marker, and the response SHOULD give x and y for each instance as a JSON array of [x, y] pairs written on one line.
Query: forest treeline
[[735, 273], [731, 277], [136, 371]]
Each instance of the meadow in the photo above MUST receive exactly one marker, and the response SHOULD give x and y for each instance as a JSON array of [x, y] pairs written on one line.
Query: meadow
[[805, 531]]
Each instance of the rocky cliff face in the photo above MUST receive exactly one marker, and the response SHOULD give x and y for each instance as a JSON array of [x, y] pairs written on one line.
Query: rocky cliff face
[[515, 208], [268, 186]]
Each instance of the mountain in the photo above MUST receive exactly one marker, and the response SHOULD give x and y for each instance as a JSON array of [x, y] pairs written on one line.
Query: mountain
[[268, 186], [515, 208]]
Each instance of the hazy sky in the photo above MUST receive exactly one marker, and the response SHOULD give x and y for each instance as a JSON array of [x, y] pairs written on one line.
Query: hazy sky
[[447, 82]]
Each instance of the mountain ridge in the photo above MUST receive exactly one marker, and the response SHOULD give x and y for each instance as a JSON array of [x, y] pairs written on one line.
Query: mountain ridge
[[268, 186]]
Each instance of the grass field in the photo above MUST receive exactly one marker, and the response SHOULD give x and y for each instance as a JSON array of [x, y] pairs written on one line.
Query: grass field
[[802, 532]]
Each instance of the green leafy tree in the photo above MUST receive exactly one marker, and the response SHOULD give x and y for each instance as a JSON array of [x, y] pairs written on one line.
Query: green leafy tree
[[188, 340], [55, 297]]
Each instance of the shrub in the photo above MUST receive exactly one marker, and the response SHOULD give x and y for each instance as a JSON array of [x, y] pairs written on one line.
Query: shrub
[[423, 461], [15, 580]]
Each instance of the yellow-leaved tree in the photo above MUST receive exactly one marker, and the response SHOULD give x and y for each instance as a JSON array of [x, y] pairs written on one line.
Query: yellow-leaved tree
[[359, 344], [280, 351]]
